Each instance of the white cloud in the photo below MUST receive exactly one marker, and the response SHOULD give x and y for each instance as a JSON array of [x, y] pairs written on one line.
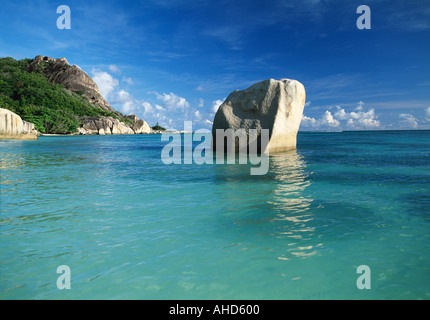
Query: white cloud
[[215, 105], [173, 102], [159, 108], [308, 122], [172, 110], [408, 120], [125, 102], [201, 103], [128, 80], [341, 114], [343, 119], [360, 119], [197, 115], [105, 82], [114, 68], [128, 104], [147, 107], [127, 107], [360, 106], [124, 96], [329, 120], [427, 113]]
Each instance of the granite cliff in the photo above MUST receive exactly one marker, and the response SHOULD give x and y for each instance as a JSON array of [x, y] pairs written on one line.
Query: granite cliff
[[59, 98], [59, 71]]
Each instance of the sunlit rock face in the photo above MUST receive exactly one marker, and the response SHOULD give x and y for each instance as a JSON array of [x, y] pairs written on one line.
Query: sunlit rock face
[[276, 105], [71, 77], [13, 127]]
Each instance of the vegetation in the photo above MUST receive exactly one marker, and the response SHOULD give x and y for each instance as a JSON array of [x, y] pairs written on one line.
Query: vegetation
[[157, 127], [127, 121], [51, 107]]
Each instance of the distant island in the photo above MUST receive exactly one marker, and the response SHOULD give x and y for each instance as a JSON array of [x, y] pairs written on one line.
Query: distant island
[[59, 98]]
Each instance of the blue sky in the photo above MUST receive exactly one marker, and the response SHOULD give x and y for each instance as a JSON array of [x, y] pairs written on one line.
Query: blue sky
[[170, 61]]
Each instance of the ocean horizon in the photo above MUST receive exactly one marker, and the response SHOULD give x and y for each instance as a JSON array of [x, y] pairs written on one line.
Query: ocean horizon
[[129, 226]]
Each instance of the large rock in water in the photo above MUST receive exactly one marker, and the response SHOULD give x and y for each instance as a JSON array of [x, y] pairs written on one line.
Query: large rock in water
[[13, 127], [270, 104]]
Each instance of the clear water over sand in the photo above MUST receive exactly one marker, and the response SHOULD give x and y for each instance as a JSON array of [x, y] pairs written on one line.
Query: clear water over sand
[[130, 227]]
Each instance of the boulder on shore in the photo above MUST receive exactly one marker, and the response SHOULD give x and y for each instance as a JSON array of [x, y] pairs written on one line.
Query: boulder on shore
[[141, 126], [109, 125], [13, 127], [276, 105]]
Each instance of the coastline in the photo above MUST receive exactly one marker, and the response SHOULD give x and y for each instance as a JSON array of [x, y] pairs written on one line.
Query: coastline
[[24, 136], [36, 137], [29, 137], [124, 134]]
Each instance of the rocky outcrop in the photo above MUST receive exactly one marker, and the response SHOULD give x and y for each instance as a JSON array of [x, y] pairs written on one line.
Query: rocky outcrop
[[109, 125], [103, 125], [141, 126], [270, 104], [59, 71], [72, 77], [28, 127], [13, 127]]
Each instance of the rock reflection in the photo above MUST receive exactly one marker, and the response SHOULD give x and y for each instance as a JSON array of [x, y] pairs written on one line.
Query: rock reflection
[[276, 206], [288, 171], [9, 162], [291, 205]]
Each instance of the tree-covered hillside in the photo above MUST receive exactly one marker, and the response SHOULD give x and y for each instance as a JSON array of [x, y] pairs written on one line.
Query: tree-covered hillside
[[51, 107]]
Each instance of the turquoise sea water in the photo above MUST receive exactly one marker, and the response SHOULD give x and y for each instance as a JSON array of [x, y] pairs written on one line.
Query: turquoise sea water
[[131, 227]]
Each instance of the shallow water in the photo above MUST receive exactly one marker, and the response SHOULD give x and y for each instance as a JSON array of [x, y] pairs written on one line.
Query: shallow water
[[131, 227]]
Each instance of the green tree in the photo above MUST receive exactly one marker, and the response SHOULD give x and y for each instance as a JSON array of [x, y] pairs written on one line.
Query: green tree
[[158, 128], [51, 107]]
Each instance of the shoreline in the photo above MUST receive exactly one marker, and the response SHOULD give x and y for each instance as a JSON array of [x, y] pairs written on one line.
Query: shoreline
[[124, 134], [23, 136]]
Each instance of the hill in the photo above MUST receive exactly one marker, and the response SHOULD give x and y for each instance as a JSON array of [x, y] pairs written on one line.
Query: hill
[[56, 97]]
